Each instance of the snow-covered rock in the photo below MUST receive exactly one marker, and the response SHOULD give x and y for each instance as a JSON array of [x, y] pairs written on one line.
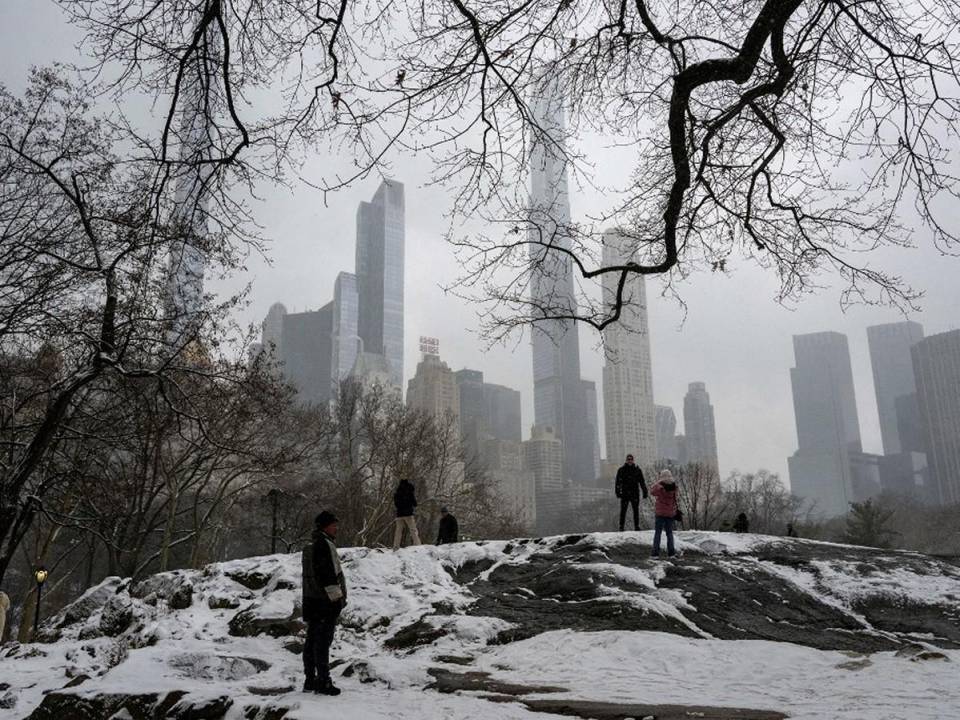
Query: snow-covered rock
[[741, 626]]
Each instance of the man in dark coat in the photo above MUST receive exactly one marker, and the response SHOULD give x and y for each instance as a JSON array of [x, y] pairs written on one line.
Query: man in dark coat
[[741, 524], [449, 529], [628, 487], [405, 501], [324, 597]]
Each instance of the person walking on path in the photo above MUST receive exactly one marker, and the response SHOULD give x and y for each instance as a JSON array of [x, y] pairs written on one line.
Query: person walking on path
[[792, 531], [324, 597], [449, 528], [405, 501], [628, 486], [665, 510], [741, 524]]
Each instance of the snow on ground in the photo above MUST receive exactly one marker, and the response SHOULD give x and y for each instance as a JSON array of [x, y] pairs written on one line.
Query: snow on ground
[[163, 650], [809, 684]]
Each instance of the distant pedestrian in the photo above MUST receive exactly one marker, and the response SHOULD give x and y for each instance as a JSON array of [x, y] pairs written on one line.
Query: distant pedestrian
[[792, 531], [628, 486], [324, 597], [741, 524], [405, 501], [665, 510], [449, 530], [4, 607]]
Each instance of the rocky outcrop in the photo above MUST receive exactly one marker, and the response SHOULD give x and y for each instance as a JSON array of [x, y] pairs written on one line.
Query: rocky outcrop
[[176, 705]]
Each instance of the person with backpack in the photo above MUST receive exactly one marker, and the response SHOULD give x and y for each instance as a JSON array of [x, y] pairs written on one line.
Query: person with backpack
[[665, 511], [449, 530], [324, 597], [405, 502], [627, 487]]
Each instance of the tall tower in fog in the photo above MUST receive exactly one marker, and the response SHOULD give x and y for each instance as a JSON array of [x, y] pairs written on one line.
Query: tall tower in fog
[[699, 426], [271, 329], [892, 374], [828, 428], [628, 372], [345, 327], [195, 135], [560, 398], [379, 275], [936, 363]]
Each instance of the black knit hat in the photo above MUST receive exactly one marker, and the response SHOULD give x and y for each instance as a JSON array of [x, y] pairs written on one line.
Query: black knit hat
[[324, 519]]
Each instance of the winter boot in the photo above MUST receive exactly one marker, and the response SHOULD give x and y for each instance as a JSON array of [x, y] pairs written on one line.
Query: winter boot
[[327, 688], [310, 685]]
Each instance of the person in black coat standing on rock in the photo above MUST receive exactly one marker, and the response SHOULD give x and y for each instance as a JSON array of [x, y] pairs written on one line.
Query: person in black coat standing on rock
[[741, 524], [405, 501], [449, 528], [324, 597], [628, 486]]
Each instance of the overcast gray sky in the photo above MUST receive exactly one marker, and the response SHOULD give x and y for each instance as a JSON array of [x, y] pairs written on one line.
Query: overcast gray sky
[[734, 337]]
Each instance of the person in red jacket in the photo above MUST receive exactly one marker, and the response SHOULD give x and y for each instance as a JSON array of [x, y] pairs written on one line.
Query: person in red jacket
[[665, 510]]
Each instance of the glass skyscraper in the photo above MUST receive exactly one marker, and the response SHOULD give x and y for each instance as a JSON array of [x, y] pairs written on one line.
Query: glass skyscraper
[[191, 178], [892, 374], [560, 398], [628, 371], [379, 275], [346, 336]]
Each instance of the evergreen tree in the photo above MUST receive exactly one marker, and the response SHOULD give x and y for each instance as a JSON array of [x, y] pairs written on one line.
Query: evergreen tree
[[869, 524]]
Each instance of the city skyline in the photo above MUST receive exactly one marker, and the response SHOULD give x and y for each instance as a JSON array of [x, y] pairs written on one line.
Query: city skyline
[[731, 330]]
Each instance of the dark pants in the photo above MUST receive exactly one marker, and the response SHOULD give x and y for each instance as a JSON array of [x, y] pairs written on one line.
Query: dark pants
[[662, 524], [316, 648], [635, 502]]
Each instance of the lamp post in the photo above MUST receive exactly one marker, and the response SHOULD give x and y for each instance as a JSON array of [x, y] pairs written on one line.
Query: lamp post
[[40, 575]]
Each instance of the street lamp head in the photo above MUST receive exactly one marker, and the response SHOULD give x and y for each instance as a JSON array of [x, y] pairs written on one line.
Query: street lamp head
[[41, 575]]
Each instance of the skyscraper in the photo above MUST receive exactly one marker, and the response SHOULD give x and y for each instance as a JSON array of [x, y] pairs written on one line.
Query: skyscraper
[[829, 467], [543, 458], [892, 374], [699, 427], [434, 388], [592, 418], [936, 364], [191, 178], [666, 426], [271, 330], [559, 395], [502, 412], [307, 352], [379, 274], [628, 406], [344, 328], [503, 460], [470, 387]]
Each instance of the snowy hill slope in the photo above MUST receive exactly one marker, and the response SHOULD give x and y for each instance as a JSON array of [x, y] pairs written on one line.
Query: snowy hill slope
[[740, 626]]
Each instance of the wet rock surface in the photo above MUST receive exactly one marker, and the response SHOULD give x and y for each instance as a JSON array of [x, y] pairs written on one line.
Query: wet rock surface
[[731, 597], [615, 711]]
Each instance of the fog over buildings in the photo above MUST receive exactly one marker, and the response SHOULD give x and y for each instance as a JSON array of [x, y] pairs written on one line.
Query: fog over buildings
[[730, 333]]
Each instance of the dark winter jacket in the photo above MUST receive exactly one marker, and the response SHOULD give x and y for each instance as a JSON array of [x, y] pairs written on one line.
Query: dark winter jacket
[[405, 499], [741, 524], [630, 482], [449, 529], [324, 587]]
